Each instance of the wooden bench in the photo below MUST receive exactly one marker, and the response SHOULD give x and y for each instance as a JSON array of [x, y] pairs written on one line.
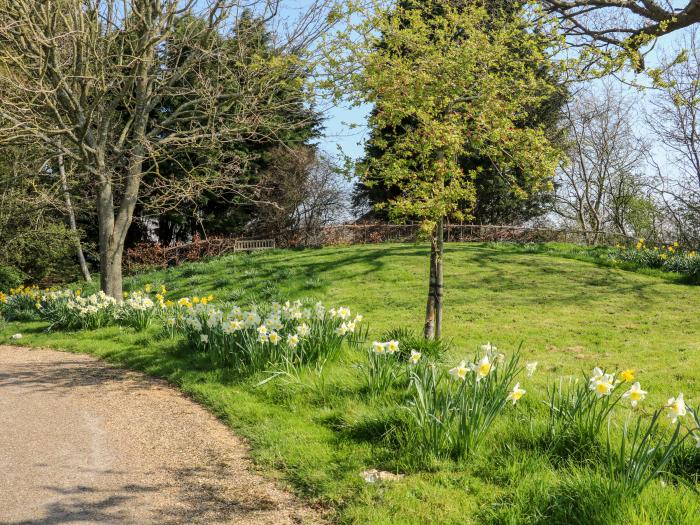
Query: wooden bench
[[251, 245]]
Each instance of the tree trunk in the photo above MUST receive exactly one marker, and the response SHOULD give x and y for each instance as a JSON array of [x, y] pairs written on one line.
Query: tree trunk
[[433, 309], [71, 220], [112, 234]]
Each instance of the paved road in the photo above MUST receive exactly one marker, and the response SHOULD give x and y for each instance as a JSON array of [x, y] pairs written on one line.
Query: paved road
[[84, 442]]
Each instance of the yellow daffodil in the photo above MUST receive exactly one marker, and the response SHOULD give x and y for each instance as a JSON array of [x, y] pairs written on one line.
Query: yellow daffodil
[[635, 394], [169, 304], [460, 371], [210, 298], [163, 289], [204, 301], [676, 407], [516, 393], [148, 288], [195, 300], [627, 375]]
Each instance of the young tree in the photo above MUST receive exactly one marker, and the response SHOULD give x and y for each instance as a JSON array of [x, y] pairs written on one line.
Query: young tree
[[452, 82], [97, 77], [496, 202]]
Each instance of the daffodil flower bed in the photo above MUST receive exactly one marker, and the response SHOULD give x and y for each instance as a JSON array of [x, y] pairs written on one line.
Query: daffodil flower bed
[[669, 258], [267, 336]]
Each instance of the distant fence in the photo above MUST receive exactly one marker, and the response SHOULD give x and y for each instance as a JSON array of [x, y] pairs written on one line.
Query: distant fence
[[150, 255], [379, 233]]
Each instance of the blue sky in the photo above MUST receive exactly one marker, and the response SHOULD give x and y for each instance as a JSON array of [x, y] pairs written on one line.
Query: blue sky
[[345, 128]]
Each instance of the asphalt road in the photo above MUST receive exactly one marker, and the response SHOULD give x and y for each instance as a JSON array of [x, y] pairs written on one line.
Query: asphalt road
[[85, 442]]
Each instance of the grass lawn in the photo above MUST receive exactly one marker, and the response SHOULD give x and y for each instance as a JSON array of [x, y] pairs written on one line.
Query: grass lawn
[[319, 431]]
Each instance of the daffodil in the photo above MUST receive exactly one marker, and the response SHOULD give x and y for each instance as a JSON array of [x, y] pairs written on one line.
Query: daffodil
[[483, 368], [602, 385], [516, 393], [460, 371], [488, 348], [378, 348], [204, 338], [262, 330], [597, 374], [303, 330], [292, 340], [676, 407], [148, 288], [392, 346], [342, 329], [627, 375], [696, 437], [531, 368], [415, 357], [274, 338], [635, 394]]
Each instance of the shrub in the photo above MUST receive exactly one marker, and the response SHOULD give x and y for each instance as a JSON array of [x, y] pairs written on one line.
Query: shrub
[[10, 277]]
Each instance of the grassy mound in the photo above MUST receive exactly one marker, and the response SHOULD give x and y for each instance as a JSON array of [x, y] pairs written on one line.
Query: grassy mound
[[319, 430]]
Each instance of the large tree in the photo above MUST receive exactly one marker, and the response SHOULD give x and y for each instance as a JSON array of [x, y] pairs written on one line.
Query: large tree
[[447, 80], [94, 78], [501, 197], [623, 24]]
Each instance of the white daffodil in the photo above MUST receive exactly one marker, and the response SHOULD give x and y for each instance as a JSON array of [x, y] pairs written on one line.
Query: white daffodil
[[292, 340], [378, 348], [488, 348], [14, 337], [350, 326], [483, 368], [516, 393], [262, 338], [460, 371], [342, 329], [303, 330], [262, 330], [696, 437], [603, 385], [343, 312], [358, 318], [415, 357], [597, 374], [274, 337], [635, 394], [204, 338], [676, 407], [531, 368], [392, 346]]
